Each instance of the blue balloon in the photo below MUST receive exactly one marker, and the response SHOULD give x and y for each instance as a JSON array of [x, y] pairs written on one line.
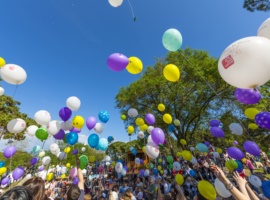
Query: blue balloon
[[201, 147], [192, 173], [119, 160], [103, 116], [2, 164], [103, 144], [171, 128], [72, 138], [134, 152], [240, 166], [110, 138], [36, 150], [265, 188], [155, 172], [97, 148], [93, 140]]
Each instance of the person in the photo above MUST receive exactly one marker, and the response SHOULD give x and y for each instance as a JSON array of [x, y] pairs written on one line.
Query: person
[[130, 194], [151, 190], [17, 193], [114, 193], [138, 182], [37, 186], [250, 165], [139, 196]]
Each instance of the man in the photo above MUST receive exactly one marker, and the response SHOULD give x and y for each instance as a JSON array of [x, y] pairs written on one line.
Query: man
[[151, 189]]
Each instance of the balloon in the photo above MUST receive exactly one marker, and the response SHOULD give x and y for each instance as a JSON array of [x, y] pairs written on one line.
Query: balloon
[[98, 128], [253, 126], [219, 150], [132, 113], [176, 166], [3, 170], [33, 161], [42, 117], [63, 176], [110, 139], [214, 122], [167, 118], [41, 154], [2, 90], [161, 107], [49, 176], [183, 142], [2, 63], [158, 136], [75, 181], [13, 74], [103, 144], [72, 138], [83, 161], [236, 128], [139, 121], [171, 128], [264, 29], [5, 181], [192, 173], [16, 125], [263, 119], [104, 116], [53, 127], [146, 172], [78, 122], [241, 59], [252, 148], [123, 117], [83, 149], [235, 153], [91, 122], [187, 155], [134, 152], [235, 143], [231, 165], [207, 190], [150, 118], [179, 179], [41, 168], [221, 189], [73, 103], [201, 147], [207, 143], [170, 159], [35, 150], [107, 158], [255, 181], [31, 130], [66, 125], [149, 139], [68, 165], [46, 160], [9, 151], [130, 129], [2, 164], [73, 172], [118, 167], [92, 159], [60, 135], [137, 161], [42, 134], [141, 135], [62, 155], [143, 127], [192, 149], [217, 132], [117, 62], [135, 65], [75, 151], [65, 113], [144, 149], [247, 96], [171, 73], [150, 129], [172, 39], [239, 166], [18, 173], [251, 113], [176, 122], [151, 150]]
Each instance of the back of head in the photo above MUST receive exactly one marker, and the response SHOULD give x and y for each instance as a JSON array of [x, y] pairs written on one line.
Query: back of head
[[73, 193], [17, 193], [37, 186]]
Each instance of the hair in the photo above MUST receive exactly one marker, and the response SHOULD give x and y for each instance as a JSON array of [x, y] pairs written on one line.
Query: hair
[[73, 192], [37, 186], [87, 197], [17, 193], [115, 188]]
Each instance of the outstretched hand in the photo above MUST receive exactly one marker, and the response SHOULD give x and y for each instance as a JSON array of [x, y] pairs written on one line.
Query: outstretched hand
[[219, 173], [241, 182]]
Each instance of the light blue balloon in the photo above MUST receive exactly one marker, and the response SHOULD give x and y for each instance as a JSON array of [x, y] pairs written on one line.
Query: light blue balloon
[[2, 164], [36, 150], [172, 39], [103, 144], [104, 116], [201, 147], [93, 140], [72, 138]]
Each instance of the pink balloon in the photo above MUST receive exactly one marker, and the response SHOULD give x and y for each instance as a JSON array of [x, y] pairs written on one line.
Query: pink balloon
[[100, 169], [73, 173]]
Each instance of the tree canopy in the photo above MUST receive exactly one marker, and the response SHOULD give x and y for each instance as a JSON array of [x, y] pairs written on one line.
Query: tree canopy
[[259, 5]]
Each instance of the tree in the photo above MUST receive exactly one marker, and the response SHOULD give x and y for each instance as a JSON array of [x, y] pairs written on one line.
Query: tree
[[19, 159], [259, 5]]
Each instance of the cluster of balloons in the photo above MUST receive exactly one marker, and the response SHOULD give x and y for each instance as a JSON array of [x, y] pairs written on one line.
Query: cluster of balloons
[[98, 143]]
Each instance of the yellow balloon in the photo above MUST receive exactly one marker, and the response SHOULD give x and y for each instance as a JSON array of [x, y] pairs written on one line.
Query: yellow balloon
[[231, 165], [207, 190], [130, 129], [144, 127], [144, 149], [176, 122], [179, 154], [67, 149], [183, 142], [135, 65], [2, 62], [161, 171], [244, 160], [251, 113], [171, 73], [49, 176], [78, 122], [187, 155], [63, 176], [68, 165], [123, 117], [161, 107], [41, 154], [3, 170], [92, 159], [159, 160], [113, 163], [253, 126], [167, 118], [179, 179], [159, 168], [139, 122], [219, 150]]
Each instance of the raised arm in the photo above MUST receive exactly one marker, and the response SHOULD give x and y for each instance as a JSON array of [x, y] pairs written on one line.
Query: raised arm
[[80, 175]]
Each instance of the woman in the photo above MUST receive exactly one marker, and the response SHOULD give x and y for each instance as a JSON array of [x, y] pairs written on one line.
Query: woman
[[37, 186]]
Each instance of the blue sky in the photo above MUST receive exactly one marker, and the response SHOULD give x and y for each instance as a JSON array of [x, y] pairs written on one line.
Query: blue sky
[[63, 45]]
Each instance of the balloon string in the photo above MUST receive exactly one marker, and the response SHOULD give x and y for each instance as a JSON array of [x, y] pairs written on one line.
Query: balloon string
[[15, 91], [10, 169], [134, 18], [43, 144]]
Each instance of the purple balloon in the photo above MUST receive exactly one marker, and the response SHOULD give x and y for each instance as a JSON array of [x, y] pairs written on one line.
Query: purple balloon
[[263, 120], [217, 132], [235, 143], [9, 151], [33, 161], [235, 153], [158, 136], [41, 168], [117, 62], [141, 161], [5, 181], [150, 119], [17, 173], [75, 151], [65, 113], [126, 168], [214, 122], [75, 181], [60, 135], [75, 130], [91, 122], [142, 172], [207, 143], [247, 96], [252, 148]]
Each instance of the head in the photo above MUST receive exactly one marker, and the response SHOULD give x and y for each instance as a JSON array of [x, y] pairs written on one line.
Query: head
[[129, 191], [37, 186], [73, 192], [87, 197], [115, 188], [151, 180], [17, 193]]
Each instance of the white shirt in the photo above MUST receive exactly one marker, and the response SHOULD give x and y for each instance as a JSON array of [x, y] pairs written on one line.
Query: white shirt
[[114, 195], [140, 195]]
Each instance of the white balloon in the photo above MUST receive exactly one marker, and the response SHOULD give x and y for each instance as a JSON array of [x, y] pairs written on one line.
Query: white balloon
[[118, 167], [141, 135], [152, 150], [63, 170], [176, 122], [41, 154], [216, 155], [221, 189], [62, 155], [108, 163], [42, 117], [176, 166], [54, 147], [2, 91], [73, 103], [67, 125], [194, 161], [56, 152], [137, 161], [236, 128], [42, 174], [132, 113], [84, 171], [246, 63], [149, 139], [255, 181], [115, 3], [31, 130], [264, 29], [53, 127], [131, 148], [58, 168], [146, 172], [83, 149], [107, 158], [149, 129], [46, 160], [123, 172], [16, 125], [98, 128], [13, 74]]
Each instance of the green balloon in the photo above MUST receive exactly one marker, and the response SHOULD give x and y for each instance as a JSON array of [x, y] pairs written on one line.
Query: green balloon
[[83, 161], [268, 153], [172, 39], [170, 166], [42, 134], [170, 159]]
